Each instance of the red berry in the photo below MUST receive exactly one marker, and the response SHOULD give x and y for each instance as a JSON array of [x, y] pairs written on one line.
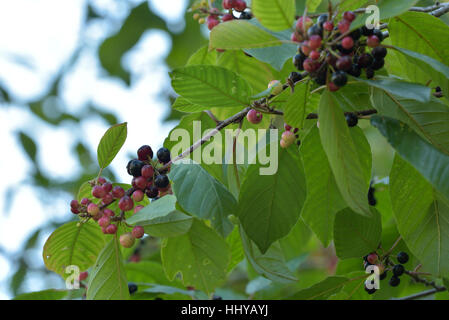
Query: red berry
[[254, 116], [311, 65], [349, 15], [107, 187], [295, 37], [227, 17], [74, 210], [138, 195], [111, 229], [138, 232], [118, 192], [108, 198], [228, 4], [93, 209], [126, 203], [344, 63], [239, 5], [104, 221], [306, 49], [145, 153], [101, 180], [108, 212], [315, 42], [212, 22], [138, 208], [347, 43], [135, 258], [300, 24], [74, 204], [147, 171], [98, 192], [85, 201], [329, 26], [139, 183], [372, 41], [372, 258], [315, 55], [343, 26], [287, 127], [83, 275], [332, 87]]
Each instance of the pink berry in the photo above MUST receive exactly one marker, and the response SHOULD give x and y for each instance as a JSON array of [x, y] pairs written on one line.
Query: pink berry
[[85, 201], [93, 209], [294, 37], [254, 116], [126, 203], [101, 180], [373, 41], [111, 229], [104, 221], [139, 183], [108, 198], [138, 195], [74, 204], [138, 232], [311, 65], [300, 23], [74, 210], [227, 17], [147, 171], [349, 15], [315, 42], [328, 26], [344, 25], [127, 240], [98, 192], [289, 137], [228, 4], [212, 22], [372, 258], [315, 55], [138, 208], [107, 187], [347, 43], [239, 5], [83, 275], [333, 87], [118, 192], [306, 49], [108, 212]]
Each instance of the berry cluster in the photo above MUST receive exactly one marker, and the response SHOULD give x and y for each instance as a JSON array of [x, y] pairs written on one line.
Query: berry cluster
[[214, 17], [289, 136], [397, 269], [330, 52]]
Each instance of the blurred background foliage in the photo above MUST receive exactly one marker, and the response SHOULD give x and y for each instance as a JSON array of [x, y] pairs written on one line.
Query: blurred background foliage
[[110, 31]]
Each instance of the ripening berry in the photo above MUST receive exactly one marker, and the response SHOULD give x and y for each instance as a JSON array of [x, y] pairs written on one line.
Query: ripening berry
[[107, 187], [138, 232], [347, 43], [135, 258], [344, 26], [111, 229], [300, 25], [227, 17], [147, 171], [315, 42], [305, 49], [85, 201], [296, 37], [74, 204], [108, 198], [349, 16], [98, 192], [275, 86], [152, 192], [83, 275], [328, 26], [138, 195], [145, 153], [315, 55], [139, 183], [332, 87], [104, 221], [287, 127], [127, 240], [402, 257], [228, 4], [311, 65], [161, 181], [118, 192], [239, 5], [372, 258], [93, 209], [108, 213], [372, 41], [163, 155], [344, 63], [212, 22], [74, 210], [138, 208], [101, 180], [254, 116], [126, 203], [289, 137], [315, 30]]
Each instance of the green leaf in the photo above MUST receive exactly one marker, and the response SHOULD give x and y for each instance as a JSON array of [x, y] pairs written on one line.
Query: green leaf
[[236, 248], [271, 264], [299, 104], [430, 120], [162, 219], [241, 34], [422, 217], [203, 56], [211, 86], [276, 15], [356, 235], [111, 143], [323, 197], [352, 172], [184, 105], [435, 70], [322, 290], [422, 33], [107, 280], [269, 205], [202, 195], [28, 145], [71, 244], [149, 272], [49, 294], [201, 256], [430, 162]]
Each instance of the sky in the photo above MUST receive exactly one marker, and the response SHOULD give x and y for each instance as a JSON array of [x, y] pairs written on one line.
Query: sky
[[41, 34]]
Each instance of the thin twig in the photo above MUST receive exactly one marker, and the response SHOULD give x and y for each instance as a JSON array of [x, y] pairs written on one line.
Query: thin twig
[[422, 294]]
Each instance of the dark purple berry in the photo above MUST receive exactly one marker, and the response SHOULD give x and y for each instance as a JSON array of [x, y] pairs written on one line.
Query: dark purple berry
[[152, 192], [378, 64], [322, 19], [394, 281], [163, 155], [355, 71], [379, 52], [161, 181], [367, 32], [145, 153], [402, 257], [339, 78], [134, 167], [351, 119], [365, 60], [398, 270], [132, 287], [298, 61], [344, 63], [369, 73], [295, 77]]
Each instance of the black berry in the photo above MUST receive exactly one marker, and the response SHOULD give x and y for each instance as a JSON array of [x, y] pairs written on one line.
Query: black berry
[[367, 32], [379, 34], [352, 120], [394, 281], [152, 192], [245, 16], [365, 60], [355, 71], [161, 181], [339, 78], [144, 153], [356, 34], [378, 64], [315, 30], [134, 167], [382, 276], [321, 77], [379, 52], [163, 155], [322, 19], [402, 257], [371, 199], [298, 61], [398, 270], [369, 73], [295, 77], [344, 63], [132, 287]]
